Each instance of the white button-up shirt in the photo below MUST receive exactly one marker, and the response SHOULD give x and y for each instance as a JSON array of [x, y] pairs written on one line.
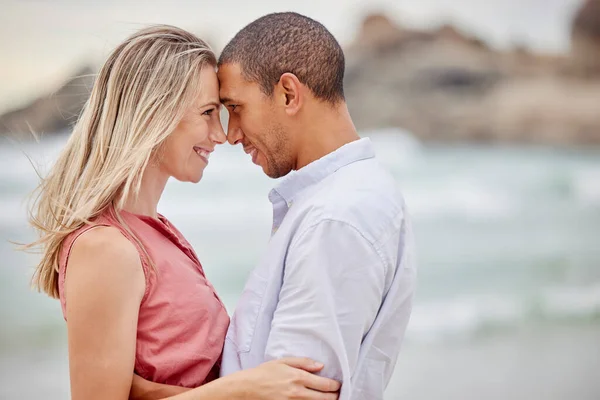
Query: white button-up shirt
[[338, 277]]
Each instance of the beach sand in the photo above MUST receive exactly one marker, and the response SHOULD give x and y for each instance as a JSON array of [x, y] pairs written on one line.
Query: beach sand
[[545, 363]]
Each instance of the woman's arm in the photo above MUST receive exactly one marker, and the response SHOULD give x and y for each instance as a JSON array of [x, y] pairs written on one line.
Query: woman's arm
[[288, 378], [104, 287], [143, 389]]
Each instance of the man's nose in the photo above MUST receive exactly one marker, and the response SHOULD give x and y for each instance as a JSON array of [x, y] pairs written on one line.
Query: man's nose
[[234, 134]]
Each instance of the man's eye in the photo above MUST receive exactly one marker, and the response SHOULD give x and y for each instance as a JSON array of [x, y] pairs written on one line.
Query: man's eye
[[208, 112], [232, 107]]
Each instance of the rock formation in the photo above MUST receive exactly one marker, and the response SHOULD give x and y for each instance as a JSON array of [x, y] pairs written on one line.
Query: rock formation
[[443, 85], [52, 112], [440, 84], [585, 39]]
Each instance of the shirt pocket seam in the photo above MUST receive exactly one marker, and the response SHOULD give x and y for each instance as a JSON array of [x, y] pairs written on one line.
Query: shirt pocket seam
[[256, 292], [374, 369]]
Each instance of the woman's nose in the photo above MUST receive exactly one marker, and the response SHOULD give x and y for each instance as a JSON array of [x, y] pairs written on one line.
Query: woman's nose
[[218, 134]]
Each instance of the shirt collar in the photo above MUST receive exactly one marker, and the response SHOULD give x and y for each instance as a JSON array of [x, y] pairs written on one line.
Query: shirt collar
[[316, 171]]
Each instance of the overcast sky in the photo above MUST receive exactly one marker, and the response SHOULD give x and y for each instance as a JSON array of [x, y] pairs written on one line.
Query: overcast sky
[[42, 41]]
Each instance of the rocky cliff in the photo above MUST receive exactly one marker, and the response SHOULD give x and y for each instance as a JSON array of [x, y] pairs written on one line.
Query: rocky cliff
[[51, 112], [440, 84], [444, 85], [585, 40]]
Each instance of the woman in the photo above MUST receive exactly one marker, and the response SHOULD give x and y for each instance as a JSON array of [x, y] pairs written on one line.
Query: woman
[[132, 290]]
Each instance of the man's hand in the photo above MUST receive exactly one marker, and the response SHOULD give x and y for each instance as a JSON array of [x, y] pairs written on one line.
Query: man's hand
[[142, 389]]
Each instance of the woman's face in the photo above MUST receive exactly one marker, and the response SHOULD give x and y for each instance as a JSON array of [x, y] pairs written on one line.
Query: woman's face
[[186, 151]]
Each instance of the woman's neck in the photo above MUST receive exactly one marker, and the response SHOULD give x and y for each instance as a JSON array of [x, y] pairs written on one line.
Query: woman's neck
[[151, 189]]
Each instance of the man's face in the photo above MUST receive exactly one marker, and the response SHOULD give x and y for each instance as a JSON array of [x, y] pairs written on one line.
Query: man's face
[[256, 122]]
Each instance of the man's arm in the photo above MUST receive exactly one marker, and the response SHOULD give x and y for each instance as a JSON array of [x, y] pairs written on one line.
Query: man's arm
[[332, 288]]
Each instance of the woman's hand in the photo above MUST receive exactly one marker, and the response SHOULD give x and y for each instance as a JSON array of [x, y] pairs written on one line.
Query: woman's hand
[[285, 379], [288, 378]]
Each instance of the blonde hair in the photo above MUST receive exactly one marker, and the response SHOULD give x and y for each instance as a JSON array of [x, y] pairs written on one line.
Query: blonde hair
[[138, 98]]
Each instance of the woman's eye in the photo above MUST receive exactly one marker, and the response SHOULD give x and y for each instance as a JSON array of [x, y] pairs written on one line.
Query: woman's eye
[[208, 112]]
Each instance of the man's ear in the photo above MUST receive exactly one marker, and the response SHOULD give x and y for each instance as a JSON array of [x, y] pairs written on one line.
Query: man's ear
[[290, 93]]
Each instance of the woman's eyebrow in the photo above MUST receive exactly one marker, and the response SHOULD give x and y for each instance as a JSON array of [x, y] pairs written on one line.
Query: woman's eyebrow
[[213, 103]]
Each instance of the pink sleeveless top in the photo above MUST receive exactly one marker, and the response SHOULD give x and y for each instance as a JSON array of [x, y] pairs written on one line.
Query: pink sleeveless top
[[182, 323]]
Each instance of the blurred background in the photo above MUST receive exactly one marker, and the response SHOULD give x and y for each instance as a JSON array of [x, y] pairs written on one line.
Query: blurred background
[[487, 113]]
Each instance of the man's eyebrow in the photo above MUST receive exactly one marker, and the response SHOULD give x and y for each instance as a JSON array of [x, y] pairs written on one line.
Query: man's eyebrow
[[225, 100]]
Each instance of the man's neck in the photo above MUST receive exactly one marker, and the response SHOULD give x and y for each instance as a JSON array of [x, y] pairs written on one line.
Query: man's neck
[[330, 130]]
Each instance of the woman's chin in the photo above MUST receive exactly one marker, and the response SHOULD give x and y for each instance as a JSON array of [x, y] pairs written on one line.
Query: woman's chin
[[196, 179]]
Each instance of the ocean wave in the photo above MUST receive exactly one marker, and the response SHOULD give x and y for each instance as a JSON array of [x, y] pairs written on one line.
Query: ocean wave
[[16, 158], [459, 319], [14, 211], [586, 184], [464, 197], [468, 317], [570, 302], [395, 147]]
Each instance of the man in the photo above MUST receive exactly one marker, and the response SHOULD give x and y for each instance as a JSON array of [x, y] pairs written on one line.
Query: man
[[337, 279]]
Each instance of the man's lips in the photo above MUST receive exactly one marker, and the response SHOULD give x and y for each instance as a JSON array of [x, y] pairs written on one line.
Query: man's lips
[[251, 150]]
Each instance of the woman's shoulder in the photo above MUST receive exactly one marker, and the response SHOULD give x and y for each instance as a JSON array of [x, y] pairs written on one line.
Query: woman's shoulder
[[103, 253], [104, 242], [101, 257]]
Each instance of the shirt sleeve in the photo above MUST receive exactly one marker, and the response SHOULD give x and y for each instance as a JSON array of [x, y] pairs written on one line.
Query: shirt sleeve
[[332, 289]]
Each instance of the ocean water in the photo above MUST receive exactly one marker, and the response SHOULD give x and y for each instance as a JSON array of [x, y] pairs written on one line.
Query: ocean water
[[508, 301]]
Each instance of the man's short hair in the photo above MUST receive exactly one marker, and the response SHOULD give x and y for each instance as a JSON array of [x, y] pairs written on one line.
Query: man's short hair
[[289, 42]]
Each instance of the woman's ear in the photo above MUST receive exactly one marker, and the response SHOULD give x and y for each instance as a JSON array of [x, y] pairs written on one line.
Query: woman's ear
[[291, 92]]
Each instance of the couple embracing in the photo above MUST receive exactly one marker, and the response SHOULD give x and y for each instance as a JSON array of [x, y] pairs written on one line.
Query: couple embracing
[[324, 312]]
